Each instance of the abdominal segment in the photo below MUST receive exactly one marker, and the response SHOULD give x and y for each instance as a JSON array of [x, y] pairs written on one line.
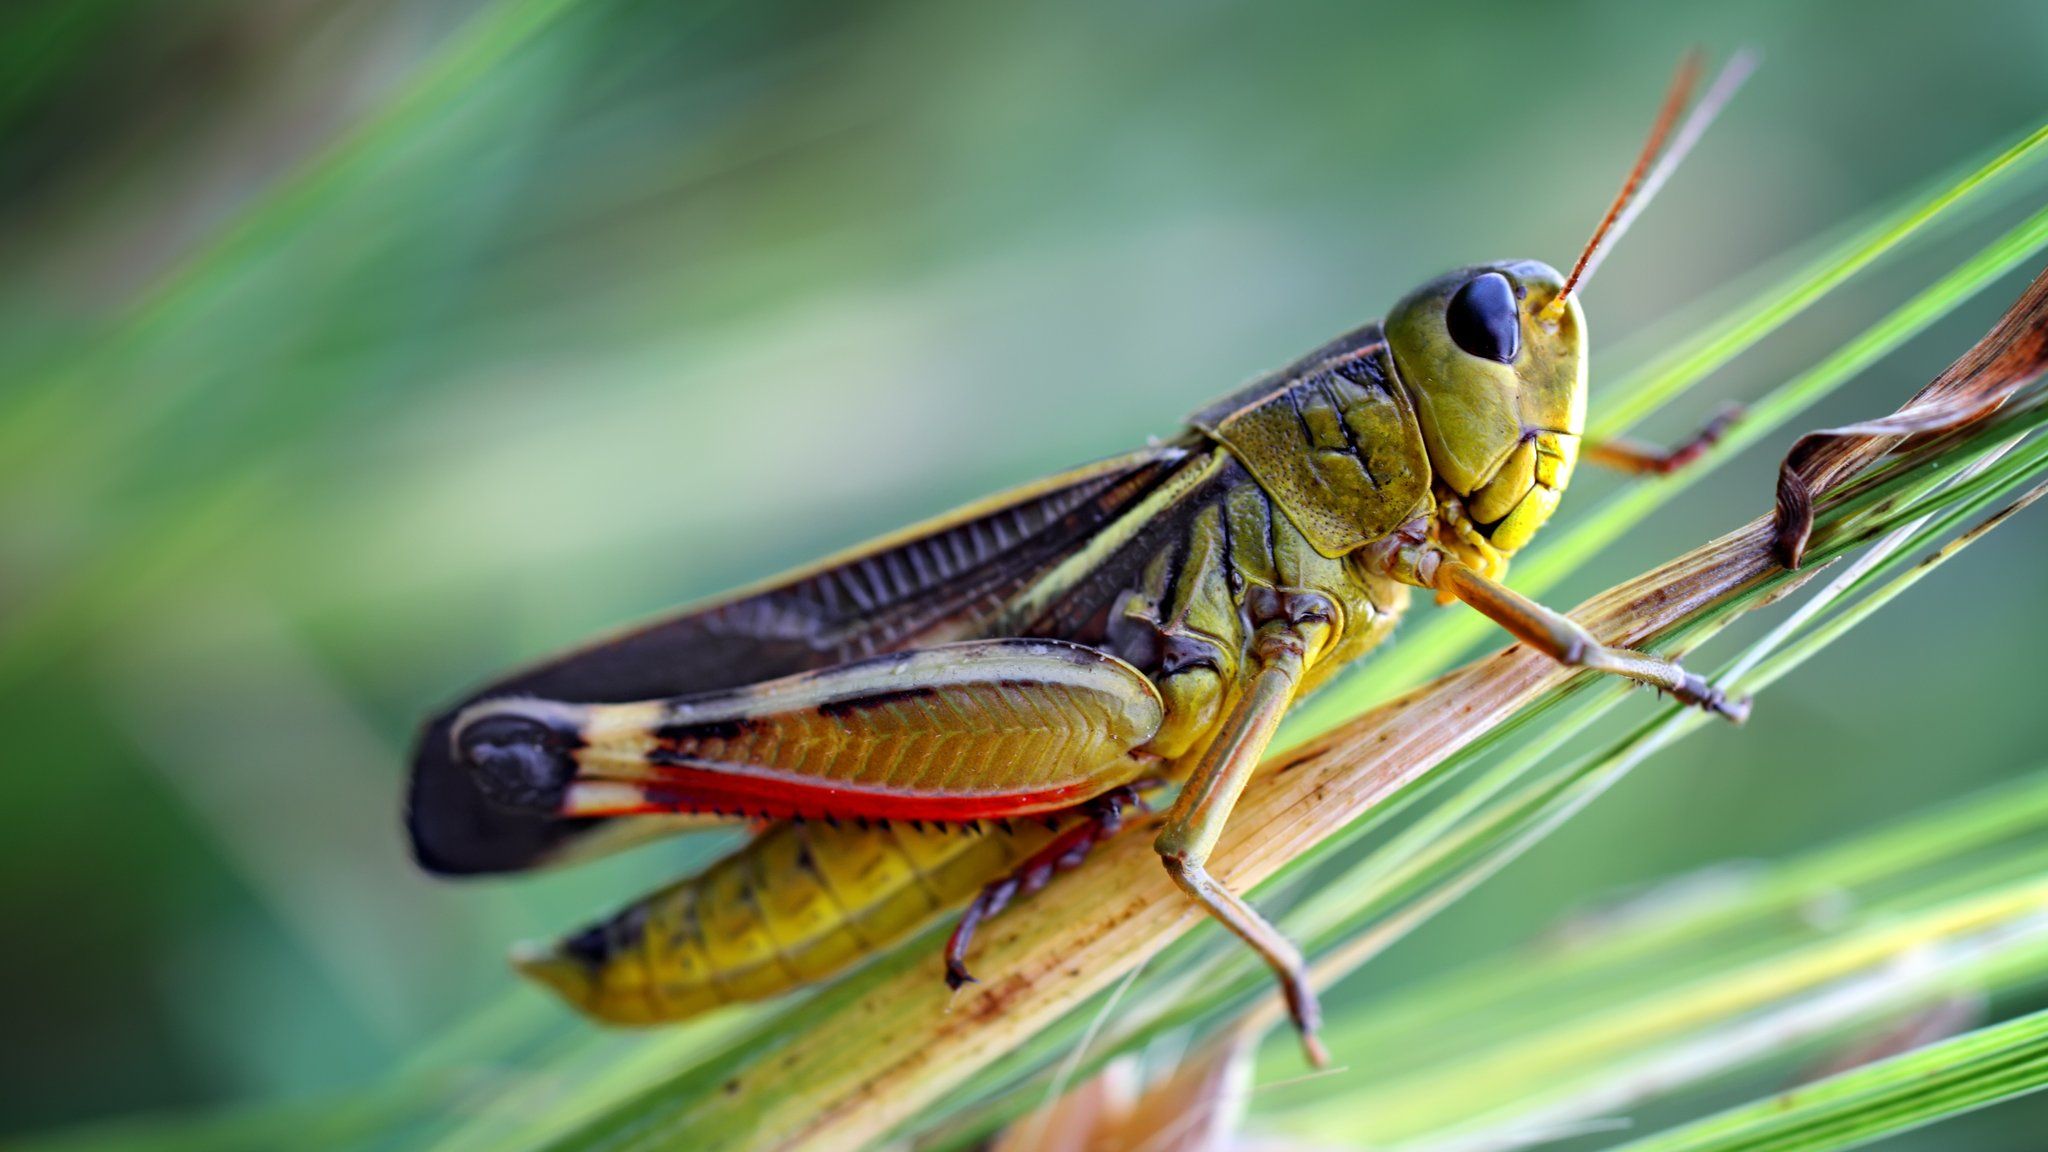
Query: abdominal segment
[[799, 904]]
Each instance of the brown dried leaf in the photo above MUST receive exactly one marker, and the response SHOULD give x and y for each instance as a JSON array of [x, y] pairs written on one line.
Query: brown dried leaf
[[2011, 356], [1195, 1108]]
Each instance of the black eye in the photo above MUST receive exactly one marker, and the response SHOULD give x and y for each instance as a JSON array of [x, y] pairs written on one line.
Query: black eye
[[1485, 320]]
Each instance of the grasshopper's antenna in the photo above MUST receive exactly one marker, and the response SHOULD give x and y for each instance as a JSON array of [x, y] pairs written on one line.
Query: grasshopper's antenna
[[1646, 178]]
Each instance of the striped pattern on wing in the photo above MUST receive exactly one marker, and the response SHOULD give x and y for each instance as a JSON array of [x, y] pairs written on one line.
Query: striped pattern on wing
[[952, 732]]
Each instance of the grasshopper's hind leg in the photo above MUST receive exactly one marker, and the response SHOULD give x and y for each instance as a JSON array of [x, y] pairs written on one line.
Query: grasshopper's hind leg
[[1281, 654], [1103, 818]]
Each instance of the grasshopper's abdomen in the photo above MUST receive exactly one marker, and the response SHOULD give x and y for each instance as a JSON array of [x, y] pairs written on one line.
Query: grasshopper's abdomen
[[799, 904]]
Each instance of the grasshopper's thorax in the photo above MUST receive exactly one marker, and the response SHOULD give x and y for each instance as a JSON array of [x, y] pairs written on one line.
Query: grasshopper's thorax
[[1333, 440], [1498, 384], [1321, 489]]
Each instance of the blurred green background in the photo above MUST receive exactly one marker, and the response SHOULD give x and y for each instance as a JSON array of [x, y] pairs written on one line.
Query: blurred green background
[[352, 352]]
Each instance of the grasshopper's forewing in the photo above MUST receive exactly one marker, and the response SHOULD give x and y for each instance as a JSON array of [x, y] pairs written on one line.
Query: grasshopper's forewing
[[969, 730], [942, 580]]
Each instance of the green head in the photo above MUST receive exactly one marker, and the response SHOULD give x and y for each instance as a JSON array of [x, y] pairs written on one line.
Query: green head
[[1493, 357]]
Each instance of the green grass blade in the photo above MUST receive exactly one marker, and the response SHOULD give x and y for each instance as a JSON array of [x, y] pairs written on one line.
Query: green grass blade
[[35, 421], [1884, 1099]]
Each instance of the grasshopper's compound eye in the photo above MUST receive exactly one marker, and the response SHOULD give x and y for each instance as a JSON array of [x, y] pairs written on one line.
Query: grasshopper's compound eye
[[518, 762], [1485, 319]]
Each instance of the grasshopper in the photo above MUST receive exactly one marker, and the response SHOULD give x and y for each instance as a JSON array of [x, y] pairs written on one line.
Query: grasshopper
[[1051, 656]]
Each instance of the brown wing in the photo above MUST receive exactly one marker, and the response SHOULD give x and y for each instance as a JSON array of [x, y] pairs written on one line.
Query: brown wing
[[941, 580]]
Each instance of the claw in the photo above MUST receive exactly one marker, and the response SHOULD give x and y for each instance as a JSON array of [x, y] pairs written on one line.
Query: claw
[[1312, 1047], [1307, 1013], [1735, 708], [1699, 693], [957, 975]]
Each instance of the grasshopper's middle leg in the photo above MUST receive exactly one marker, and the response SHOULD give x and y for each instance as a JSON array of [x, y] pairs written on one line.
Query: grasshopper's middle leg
[[1636, 458], [1280, 655]]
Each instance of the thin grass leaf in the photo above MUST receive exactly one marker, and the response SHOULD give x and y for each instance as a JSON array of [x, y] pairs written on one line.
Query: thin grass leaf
[[1898, 1095], [1617, 1052], [35, 420], [1669, 938]]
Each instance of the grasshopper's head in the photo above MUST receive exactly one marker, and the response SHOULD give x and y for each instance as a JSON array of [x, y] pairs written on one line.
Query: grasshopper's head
[[1494, 356], [1494, 359]]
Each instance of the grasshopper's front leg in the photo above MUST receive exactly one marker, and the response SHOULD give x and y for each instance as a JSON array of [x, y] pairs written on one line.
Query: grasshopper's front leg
[[1412, 560], [1563, 639], [1280, 654]]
